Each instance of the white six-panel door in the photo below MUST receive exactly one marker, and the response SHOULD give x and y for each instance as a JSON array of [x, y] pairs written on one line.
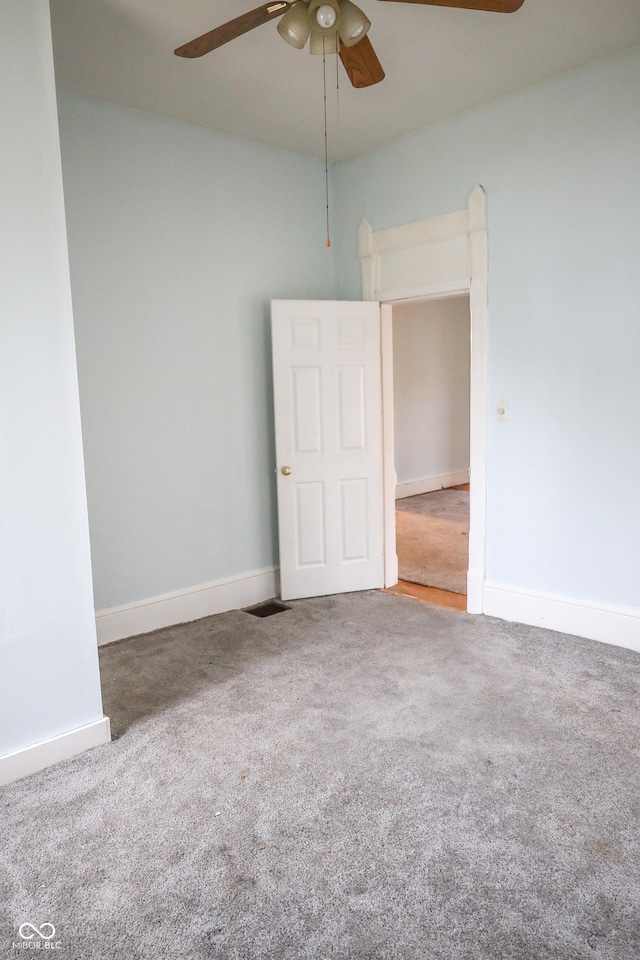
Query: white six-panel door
[[329, 463]]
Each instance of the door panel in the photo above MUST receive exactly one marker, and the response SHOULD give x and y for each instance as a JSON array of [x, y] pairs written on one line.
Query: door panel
[[310, 524], [328, 411], [306, 401]]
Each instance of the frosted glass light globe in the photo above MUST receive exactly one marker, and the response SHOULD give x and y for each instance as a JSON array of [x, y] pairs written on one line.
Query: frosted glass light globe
[[326, 16]]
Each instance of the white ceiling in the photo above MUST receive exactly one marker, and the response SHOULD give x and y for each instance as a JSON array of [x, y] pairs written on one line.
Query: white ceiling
[[438, 62]]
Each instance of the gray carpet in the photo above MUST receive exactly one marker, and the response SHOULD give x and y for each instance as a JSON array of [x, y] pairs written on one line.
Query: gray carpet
[[432, 537], [361, 777]]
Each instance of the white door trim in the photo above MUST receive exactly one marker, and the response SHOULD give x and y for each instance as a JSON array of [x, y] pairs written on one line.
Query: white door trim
[[388, 451], [430, 259]]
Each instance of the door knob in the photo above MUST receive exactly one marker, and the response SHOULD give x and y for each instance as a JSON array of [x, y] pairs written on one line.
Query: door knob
[[286, 471]]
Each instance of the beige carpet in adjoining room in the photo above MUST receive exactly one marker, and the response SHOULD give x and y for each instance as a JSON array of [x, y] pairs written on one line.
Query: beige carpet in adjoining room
[[432, 536]]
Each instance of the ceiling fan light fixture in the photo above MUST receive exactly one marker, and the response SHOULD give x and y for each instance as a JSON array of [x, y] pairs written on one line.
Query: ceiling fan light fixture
[[354, 24], [294, 26], [324, 17], [328, 44]]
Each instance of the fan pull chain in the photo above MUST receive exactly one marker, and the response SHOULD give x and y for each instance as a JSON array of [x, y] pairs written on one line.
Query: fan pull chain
[[338, 137], [326, 147], [336, 185]]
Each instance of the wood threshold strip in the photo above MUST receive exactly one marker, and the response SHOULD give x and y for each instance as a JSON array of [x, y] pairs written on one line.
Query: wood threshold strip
[[432, 595]]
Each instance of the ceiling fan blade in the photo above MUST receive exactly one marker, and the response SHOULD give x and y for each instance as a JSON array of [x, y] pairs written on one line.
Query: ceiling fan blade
[[234, 28], [493, 6], [361, 63]]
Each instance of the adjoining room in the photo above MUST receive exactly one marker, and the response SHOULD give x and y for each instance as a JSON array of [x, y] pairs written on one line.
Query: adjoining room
[[432, 359]]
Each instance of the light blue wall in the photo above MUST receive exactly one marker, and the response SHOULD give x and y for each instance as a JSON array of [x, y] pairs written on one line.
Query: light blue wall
[[560, 165], [178, 239], [49, 682]]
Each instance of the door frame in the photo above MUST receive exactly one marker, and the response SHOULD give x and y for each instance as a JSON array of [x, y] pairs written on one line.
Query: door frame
[[444, 256]]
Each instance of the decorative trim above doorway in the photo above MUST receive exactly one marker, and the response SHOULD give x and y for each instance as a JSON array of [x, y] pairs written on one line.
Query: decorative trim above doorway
[[420, 260]]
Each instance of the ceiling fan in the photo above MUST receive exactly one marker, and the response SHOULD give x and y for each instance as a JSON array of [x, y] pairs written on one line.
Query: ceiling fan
[[334, 26]]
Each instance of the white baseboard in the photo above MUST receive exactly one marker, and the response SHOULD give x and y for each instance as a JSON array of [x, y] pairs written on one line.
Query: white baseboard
[[608, 624], [475, 581], [412, 488], [23, 763], [204, 600]]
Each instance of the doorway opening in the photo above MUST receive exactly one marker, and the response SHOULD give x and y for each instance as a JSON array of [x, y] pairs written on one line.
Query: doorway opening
[[431, 400], [444, 256]]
